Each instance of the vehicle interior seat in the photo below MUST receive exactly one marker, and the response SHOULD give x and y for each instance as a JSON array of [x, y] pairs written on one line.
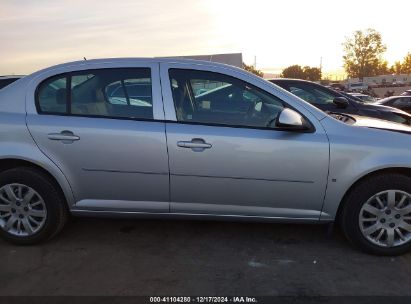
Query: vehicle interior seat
[[92, 106]]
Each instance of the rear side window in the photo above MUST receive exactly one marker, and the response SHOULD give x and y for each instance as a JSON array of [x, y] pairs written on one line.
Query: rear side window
[[122, 93], [402, 102]]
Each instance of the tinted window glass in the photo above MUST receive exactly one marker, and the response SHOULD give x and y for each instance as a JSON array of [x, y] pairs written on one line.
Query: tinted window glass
[[213, 98], [402, 102], [398, 102], [396, 117], [136, 92], [112, 93], [312, 94], [389, 102], [115, 93], [52, 95]]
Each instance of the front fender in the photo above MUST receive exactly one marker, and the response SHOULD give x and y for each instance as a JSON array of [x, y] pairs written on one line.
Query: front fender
[[356, 152]]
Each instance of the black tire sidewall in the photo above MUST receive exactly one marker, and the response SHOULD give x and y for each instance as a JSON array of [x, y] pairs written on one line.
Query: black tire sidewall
[[359, 195], [52, 199]]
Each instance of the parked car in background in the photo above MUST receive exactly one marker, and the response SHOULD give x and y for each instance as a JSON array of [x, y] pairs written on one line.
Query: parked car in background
[[406, 93], [337, 86], [399, 102], [363, 97], [142, 137], [398, 83], [6, 80], [339, 102], [357, 87]]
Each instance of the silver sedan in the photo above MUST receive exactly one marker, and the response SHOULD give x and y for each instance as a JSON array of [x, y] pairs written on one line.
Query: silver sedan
[[192, 139]]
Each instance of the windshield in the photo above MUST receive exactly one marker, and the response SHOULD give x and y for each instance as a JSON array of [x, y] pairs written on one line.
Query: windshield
[[312, 94], [366, 98]]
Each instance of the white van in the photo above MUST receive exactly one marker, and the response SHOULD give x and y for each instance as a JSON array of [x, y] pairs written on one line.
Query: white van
[[357, 86]]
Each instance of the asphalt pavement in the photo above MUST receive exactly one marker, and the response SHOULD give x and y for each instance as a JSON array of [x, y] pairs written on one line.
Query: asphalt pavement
[[154, 257]]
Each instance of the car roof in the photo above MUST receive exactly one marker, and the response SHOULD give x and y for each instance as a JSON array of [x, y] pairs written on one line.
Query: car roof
[[136, 59], [289, 79]]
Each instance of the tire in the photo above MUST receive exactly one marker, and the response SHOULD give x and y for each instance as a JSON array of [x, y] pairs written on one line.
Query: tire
[[47, 204], [358, 217]]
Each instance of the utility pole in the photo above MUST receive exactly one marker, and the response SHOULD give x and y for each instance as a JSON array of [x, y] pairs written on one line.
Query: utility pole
[[255, 62], [321, 64]]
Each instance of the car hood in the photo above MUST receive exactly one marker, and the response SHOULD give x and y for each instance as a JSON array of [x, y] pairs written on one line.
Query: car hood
[[363, 121]]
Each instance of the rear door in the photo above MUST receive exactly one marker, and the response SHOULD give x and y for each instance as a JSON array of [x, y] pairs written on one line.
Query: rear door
[[104, 128]]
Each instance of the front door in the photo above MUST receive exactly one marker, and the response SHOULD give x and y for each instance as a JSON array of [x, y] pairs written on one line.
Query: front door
[[228, 158]]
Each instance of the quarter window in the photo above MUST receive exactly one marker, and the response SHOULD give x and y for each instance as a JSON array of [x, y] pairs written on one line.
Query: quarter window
[[212, 98], [404, 102], [52, 95], [122, 93]]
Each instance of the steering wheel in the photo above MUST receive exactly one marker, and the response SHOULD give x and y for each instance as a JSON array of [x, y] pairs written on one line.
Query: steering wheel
[[272, 119]]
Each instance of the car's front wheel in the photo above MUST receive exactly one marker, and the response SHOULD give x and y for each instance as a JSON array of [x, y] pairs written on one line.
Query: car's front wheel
[[32, 209], [376, 215]]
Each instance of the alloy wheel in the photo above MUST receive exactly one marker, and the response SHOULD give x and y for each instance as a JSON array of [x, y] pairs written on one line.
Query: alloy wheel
[[22, 210], [385, 219]]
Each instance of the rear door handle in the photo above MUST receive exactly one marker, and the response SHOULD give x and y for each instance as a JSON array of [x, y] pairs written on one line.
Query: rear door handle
[[63, 135], [195, 144]]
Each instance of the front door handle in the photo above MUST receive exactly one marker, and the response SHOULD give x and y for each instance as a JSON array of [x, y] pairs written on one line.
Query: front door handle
[[197, 144], [64, 136]]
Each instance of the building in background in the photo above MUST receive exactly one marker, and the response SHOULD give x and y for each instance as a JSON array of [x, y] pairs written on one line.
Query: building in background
[[383, 80], [235, 59]]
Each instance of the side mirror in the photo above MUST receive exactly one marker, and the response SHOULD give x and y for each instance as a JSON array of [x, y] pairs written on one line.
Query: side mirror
[[341, 102], [290, 120]]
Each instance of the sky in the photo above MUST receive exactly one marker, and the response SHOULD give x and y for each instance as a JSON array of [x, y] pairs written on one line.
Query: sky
[[41, 33]]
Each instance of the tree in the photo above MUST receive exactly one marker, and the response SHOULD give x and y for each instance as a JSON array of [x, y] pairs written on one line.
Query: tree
[[312, 73], [307, 73], [397, 67], [363, 53], [382, 68], [252, 69], [294, 71], [406, 64]]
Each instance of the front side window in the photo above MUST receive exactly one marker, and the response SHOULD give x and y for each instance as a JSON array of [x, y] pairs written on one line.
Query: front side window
[[312, 94], [122, 93], [398, 102], [212, 98]]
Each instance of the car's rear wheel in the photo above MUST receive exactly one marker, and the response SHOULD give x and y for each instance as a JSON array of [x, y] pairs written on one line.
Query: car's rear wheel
[[377, 214], [32, 209]]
